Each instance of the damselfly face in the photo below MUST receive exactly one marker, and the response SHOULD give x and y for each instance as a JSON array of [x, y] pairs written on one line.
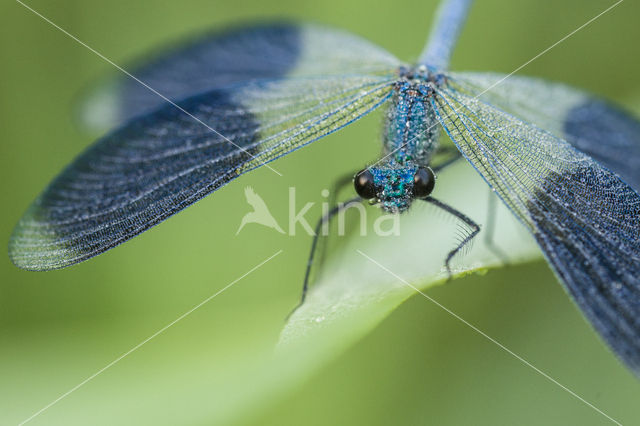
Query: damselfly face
[[394, 188]]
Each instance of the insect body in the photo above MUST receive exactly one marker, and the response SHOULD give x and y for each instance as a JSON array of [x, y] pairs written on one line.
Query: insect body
[[410, 140]]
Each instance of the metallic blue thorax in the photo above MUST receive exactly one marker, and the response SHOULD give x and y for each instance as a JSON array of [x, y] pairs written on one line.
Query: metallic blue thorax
[[411, 128]]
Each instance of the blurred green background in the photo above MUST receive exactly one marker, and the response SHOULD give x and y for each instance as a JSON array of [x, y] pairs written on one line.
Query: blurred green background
[[419, 367]]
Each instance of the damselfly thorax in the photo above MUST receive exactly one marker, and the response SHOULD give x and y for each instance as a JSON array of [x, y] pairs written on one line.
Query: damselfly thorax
[[410, 138], [411, 129]]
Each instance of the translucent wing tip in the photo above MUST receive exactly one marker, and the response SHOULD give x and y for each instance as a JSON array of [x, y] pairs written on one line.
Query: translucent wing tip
[[33, 245]]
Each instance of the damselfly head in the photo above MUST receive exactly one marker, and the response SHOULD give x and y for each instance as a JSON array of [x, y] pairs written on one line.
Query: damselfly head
[[394, 188]]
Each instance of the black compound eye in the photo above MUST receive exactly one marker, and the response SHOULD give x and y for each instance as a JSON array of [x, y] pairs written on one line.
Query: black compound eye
[[423, 182], [364, 184]]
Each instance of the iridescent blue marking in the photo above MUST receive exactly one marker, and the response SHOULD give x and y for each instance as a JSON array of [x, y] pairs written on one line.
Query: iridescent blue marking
[[395, 186]]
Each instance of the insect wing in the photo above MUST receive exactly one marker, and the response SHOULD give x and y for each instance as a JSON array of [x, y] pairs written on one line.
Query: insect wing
[[603, 131], [266, 51], [583, 216], [159, 164]]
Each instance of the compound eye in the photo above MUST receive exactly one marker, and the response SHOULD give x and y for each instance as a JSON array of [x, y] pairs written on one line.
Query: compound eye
[[364, 184], [423, 182]]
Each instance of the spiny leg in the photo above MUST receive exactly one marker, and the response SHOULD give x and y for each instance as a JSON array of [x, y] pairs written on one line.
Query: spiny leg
[[324, 219], [474, 226], [489, 233]]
